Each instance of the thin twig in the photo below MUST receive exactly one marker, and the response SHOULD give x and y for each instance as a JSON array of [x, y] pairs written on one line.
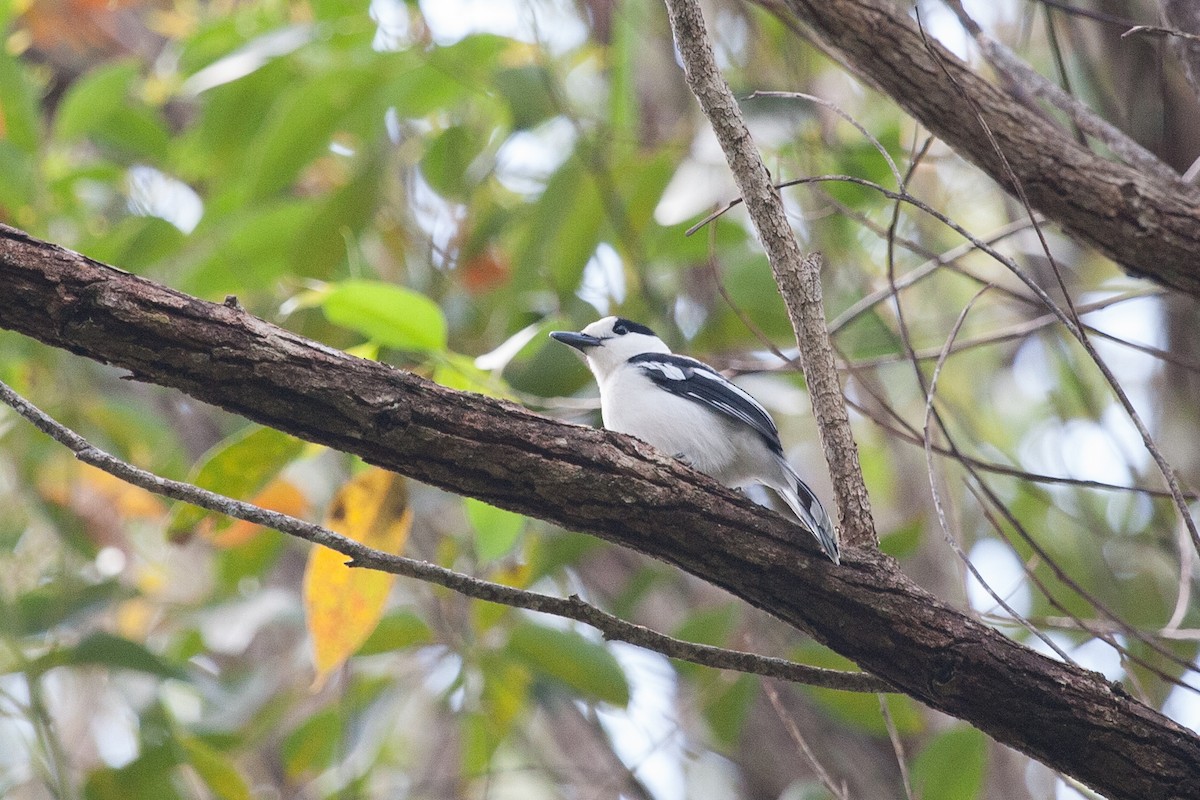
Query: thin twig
[[844, 115], [1032, 83], [360, 555], [930, 416], [1071, 317], [1076, 331], [793, 730], [1157, 30], [897, 746]]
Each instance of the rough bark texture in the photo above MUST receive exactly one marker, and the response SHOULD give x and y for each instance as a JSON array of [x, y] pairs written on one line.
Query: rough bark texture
[[1149, 226], [608, 485]]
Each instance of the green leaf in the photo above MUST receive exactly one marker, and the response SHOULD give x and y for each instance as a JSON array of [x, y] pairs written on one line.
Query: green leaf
[[19, 106], [93, 98], [570, 659], [105, 650], [711, 626], [505, 695], [215, 769], [473, 58], [262, 235], [136, 243], [18, 176], [238, 467], [496, 530], [903, 541], [564, 233], [397, 631], [337, 220], [98, 107], [527, 89], [136, 131], [624, 59], [447, 162], [727, 708], [301, 126], [643, 188], [249, 560], [951, 766], [312, 746], [144, 777], [855, 709], [456, 371], [390, 315], [422, 90], [476, 743], [51, 604]]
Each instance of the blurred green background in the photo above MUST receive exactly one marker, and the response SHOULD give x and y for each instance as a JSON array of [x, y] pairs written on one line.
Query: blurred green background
[[438, 185]]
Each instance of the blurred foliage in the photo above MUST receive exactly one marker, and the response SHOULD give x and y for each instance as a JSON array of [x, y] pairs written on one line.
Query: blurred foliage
[[437, 186]]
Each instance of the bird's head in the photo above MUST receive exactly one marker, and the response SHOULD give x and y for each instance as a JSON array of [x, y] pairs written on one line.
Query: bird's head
[[610, 342]]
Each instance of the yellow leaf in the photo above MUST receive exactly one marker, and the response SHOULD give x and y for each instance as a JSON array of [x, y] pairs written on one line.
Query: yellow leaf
[[344, 605], [279, 495]]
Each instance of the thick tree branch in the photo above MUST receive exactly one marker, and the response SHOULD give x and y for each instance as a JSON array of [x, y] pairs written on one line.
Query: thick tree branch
[[1148, 224], [609, 485]]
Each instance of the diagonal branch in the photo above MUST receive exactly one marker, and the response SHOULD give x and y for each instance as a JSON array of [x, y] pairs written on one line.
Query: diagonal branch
[[608, 485], [1148, 224]]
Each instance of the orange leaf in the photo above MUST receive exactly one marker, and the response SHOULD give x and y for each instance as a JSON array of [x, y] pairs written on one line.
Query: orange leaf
[[279, 495], [344, 605], [485, 271], [82, 486]]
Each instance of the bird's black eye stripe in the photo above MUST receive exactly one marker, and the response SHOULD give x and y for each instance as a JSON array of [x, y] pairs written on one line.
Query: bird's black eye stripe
[[623, 326]]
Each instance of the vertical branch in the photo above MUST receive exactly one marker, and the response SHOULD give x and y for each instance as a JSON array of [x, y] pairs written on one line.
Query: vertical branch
[[797, 275]]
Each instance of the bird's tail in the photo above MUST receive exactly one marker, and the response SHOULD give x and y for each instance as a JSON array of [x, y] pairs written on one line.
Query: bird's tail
[[808, 508]]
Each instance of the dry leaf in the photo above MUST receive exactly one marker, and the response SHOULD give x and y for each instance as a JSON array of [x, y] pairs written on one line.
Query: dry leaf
[[344, 605]]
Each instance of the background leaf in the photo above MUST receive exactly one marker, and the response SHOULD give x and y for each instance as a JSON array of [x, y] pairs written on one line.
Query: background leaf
[[570, 659], [391, 315], [343, 605]]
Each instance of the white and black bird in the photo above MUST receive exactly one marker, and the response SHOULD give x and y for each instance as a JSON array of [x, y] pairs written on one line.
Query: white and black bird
[[689, 410]]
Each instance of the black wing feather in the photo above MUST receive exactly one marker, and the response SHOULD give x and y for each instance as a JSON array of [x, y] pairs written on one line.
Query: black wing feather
[[695, 380]]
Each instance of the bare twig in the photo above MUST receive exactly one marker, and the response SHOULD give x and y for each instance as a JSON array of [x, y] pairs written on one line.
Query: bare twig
[[1068, 320], [1071, 318], [360, 555], [793, 730], [1156, 30], [798, 276], [897, 747], [931, 415], [1088, 13], [835, 108], [1034, 84]]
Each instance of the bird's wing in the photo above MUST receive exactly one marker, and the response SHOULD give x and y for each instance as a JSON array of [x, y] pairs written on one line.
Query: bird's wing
[[700, 383]]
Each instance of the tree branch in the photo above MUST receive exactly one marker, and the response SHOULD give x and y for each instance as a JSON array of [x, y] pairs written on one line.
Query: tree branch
[[798, 276], [614, 628], [612, 486], [1146, 223]]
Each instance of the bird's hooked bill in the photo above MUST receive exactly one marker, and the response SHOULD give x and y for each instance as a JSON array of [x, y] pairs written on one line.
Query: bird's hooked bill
[[580, 341]]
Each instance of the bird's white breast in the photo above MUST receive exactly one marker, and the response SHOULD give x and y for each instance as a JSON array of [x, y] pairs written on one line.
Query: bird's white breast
[[676, 425]]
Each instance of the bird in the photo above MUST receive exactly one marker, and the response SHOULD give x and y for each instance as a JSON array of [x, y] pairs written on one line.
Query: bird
[[690, 411]]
